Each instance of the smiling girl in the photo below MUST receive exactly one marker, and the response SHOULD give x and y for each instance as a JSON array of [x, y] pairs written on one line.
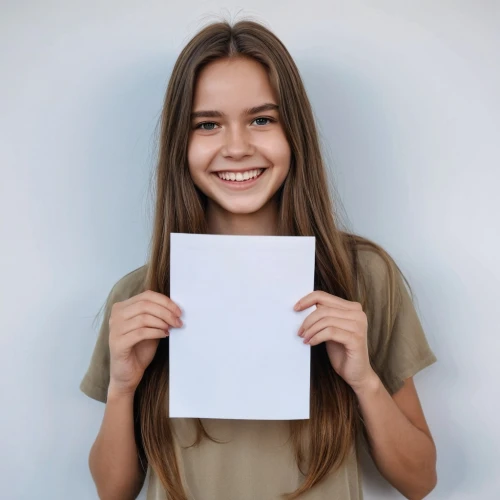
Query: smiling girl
[[239, 154]]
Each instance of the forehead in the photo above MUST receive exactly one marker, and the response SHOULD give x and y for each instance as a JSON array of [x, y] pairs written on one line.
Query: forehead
[[232, 83]]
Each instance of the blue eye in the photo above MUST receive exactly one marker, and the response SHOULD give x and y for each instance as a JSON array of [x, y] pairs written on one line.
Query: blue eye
[[200, 125], [262, 118], [210, 126]]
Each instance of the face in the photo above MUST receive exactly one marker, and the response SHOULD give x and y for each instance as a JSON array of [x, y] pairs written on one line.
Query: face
[[238, 154]]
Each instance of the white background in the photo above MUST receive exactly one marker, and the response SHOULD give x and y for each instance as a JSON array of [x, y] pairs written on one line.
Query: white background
[[406, 95]]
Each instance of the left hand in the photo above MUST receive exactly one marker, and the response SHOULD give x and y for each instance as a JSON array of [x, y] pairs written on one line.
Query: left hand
[[343, 325]]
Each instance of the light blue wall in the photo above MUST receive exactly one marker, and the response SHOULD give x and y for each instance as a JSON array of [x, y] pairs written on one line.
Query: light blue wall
[[406, 95]]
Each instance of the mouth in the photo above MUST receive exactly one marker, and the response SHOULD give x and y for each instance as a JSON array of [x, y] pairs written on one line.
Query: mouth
[[240, 179]]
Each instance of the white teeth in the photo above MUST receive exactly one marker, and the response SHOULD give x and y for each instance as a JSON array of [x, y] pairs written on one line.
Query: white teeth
[[239, 176]]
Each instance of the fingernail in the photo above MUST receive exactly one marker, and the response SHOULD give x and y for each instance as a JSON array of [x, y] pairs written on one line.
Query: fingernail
[[179, 322], [296, 306], [301, 331]]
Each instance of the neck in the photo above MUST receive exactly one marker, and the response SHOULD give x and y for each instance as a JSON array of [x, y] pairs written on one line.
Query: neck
[[261, 223]]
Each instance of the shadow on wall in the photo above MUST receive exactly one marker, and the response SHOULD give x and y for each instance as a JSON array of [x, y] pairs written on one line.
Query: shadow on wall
[[115, 147], [361, 152], [121, 155]]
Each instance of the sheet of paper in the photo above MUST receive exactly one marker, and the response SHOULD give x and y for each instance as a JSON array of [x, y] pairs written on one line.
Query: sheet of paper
[[238, 355]]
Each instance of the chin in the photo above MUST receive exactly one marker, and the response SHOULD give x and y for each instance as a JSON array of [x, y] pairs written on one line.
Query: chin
[[242, 208]]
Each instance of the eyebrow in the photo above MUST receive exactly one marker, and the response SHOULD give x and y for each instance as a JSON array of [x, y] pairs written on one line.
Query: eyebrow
[[249, 111]]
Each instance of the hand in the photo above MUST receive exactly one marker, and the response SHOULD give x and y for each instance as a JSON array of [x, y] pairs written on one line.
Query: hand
[[136, 326], [343, 326]]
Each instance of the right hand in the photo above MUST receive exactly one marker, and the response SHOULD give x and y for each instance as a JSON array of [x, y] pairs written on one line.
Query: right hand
[[136, 326]]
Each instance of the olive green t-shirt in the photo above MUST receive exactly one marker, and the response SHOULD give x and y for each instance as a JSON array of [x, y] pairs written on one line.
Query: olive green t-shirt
[[256, 460]]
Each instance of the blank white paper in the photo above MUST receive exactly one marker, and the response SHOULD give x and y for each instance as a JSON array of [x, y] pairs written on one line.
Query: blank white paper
[[238, 355]]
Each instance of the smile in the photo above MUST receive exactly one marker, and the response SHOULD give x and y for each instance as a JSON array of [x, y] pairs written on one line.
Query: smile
[[240, 176]]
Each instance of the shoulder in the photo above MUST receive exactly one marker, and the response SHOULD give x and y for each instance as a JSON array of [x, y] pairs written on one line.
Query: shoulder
[[381, 284], [376, 267], [129, 285]]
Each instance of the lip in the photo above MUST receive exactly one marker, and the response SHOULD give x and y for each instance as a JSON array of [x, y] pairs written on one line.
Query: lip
[[239, 185]]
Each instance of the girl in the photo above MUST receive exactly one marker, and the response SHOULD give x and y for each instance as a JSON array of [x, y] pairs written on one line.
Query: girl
[[239, 154]]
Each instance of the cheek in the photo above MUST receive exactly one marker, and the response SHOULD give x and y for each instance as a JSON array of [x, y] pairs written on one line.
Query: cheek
[[278, 150], [197, 156], [190, 155], [280, 156]]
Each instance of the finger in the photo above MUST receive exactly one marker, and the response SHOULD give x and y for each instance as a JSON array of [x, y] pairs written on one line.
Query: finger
[[118, 328], [325, 299], [323, 312], [157, 298], [133, 338], [329, 321], [148, 321], [153, 309], [331, 333]]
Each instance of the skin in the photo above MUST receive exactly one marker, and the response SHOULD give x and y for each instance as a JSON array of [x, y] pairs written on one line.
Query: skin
[[400, 441], [237, 141]]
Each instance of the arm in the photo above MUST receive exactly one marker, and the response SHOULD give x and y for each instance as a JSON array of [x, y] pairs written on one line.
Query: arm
[[400, 442], [133, 331], [113, 459]]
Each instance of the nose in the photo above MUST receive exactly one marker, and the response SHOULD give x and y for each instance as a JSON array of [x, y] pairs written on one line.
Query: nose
[[237, 143]]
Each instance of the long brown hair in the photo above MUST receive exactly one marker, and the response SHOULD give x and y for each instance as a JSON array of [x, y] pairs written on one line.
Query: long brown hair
[[305, 209]]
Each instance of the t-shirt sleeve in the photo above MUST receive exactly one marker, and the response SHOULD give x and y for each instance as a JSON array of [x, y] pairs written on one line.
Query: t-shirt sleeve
[[96, 380], [397, 343]]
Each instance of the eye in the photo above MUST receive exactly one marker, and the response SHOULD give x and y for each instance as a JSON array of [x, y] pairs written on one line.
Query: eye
[[201, 126], [210, 126], [272, 120]]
